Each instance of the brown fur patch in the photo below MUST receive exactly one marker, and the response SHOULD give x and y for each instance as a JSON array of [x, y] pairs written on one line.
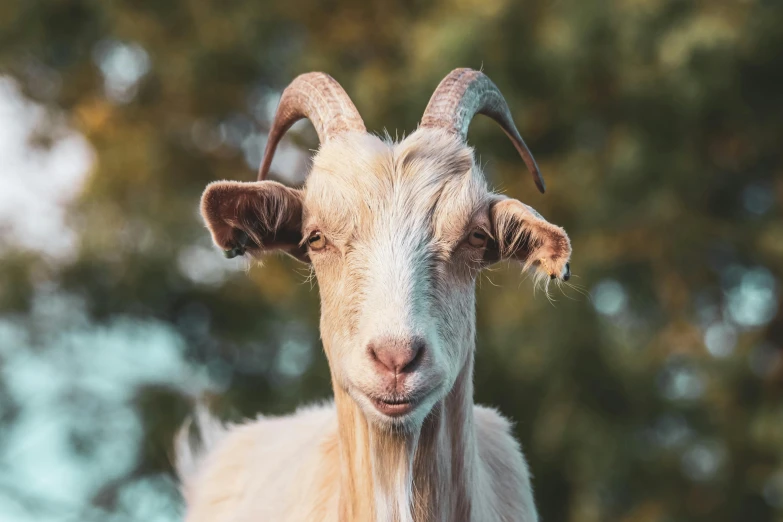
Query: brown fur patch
[[521, 233], [268, 212]]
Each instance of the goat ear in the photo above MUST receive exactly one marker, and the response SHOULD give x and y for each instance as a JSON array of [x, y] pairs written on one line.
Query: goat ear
[[521, 233], [254, 217]]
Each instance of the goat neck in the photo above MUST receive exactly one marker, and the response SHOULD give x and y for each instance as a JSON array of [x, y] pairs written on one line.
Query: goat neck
[[421, 476]]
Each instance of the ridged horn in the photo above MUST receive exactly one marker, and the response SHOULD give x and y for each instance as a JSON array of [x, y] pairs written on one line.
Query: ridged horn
[[319, 98], [463, 94]]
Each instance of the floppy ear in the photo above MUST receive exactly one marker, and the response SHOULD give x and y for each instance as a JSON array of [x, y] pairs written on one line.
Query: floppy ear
[[254, 217], [522, 234]]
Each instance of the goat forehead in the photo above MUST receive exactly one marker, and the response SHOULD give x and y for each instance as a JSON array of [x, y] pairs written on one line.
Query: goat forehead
[[358, 186]]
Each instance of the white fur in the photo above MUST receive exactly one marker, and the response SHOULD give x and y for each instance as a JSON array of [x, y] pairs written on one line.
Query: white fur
[[396, 217], [273, 469]]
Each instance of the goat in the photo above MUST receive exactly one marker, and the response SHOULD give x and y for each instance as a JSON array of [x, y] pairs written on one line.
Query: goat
[[396, 233]]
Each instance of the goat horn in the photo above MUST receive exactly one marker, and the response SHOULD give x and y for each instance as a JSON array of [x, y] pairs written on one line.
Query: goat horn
[[319, 98], [463, 94]]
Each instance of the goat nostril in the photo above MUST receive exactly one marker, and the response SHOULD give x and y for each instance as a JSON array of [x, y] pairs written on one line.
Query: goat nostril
[[415, 356], [395, 355]]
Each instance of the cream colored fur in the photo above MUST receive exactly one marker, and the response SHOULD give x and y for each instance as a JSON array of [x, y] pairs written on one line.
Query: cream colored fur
[[396, 216]]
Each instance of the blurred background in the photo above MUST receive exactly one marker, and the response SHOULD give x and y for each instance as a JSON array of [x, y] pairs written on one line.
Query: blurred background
[[658, 124]]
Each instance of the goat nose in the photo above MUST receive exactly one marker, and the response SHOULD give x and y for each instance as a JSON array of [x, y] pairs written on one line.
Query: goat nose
[[397, 356]]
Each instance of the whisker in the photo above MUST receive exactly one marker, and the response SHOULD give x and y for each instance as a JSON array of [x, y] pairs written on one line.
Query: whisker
[[581, 291], [491, 281], [561, 286], [528, 273], [548, 294], [309, 276]]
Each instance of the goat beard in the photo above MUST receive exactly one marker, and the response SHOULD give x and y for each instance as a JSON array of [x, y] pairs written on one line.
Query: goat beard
[[380, 464], [377, 466], [392, 456]]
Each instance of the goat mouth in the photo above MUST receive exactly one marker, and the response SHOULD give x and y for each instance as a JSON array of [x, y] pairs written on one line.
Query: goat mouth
[[394, 407]]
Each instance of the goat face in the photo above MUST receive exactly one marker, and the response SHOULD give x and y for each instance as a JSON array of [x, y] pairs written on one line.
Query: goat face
[[396, 234], [395, 266]]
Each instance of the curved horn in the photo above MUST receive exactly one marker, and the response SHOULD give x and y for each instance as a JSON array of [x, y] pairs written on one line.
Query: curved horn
[[463, 94], [319, 98]]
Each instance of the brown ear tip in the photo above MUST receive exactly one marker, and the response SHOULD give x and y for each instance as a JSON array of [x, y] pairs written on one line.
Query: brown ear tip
[[233, 252], [240, 241]]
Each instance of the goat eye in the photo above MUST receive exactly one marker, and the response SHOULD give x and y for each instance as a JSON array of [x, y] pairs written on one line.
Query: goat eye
[[316, 241], [477, 239]]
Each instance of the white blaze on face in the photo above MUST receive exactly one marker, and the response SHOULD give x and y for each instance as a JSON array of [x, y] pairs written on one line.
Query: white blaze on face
[[396, 298], [395, 216]]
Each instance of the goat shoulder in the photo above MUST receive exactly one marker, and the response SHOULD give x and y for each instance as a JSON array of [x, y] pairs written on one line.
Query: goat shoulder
[[272, 468], [503, 472]]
